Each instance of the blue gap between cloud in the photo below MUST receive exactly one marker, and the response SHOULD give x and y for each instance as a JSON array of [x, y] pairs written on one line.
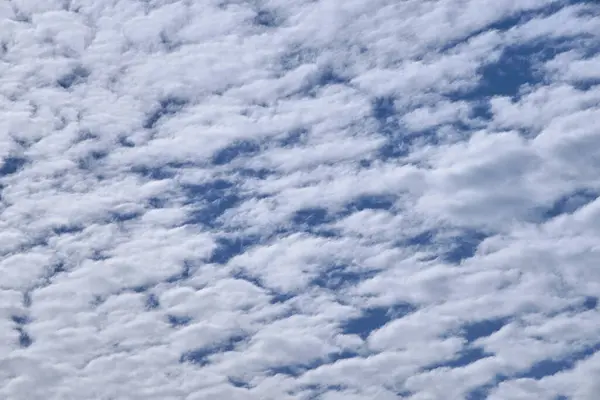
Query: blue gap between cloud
[[398, 139], [510, 21], [235, 150], [384, 113], [152, 302], [449, 248], [337, 277], [463, 246], [298, 369], [569, 203], [167, 106], [465, 357], [238, 383], [211, 200], [590, 303], [478, 329], [20, 322], [514, 70], [276, 297], [471, 332], [538, 371], [12, 164], [383, 202], [201, 356], [159, 172], [266, 18], [375, 318], [178, 320], [552, 366], [229, 247], [77, 75]]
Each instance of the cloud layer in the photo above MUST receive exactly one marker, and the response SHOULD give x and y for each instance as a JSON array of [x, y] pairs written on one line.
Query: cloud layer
[[358, 200]]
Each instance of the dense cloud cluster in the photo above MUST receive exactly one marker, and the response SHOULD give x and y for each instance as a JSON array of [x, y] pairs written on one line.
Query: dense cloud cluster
[[299, 200]]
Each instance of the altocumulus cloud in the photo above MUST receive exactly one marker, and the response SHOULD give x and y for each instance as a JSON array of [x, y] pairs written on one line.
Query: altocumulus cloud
[[358, 200]]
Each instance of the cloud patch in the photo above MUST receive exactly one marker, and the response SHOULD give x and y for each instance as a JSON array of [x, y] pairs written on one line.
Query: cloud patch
[[318, 200]]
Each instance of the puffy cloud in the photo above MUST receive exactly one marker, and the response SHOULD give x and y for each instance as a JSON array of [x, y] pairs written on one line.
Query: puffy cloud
[[299, 200]]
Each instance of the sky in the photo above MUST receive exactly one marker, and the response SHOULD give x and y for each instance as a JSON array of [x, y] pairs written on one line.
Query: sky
[[299, 200]]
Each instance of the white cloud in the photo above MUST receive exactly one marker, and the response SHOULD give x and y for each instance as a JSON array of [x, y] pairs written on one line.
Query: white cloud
[[299, 200]]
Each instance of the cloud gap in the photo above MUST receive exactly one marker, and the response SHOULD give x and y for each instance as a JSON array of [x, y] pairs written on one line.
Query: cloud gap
[[266, 19], [297, 55], [77, 75], [550, 367], [152, 302], [399, 140], [516, 70], [21, 321], [159, 172], [508, 22], [466, 356], [463, 246], [483, 328], [384, 202], [372, 319], [275, 296], [178, 320], [201, 356], [11, 165], [183, 274], [569, 203], [236, 150], [229, 247], [167, 106], [338, 277]]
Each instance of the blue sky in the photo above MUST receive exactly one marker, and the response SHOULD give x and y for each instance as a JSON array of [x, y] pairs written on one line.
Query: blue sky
[[358, 200]]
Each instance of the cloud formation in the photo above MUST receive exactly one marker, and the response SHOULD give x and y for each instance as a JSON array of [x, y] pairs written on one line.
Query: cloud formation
[[358, 200]]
